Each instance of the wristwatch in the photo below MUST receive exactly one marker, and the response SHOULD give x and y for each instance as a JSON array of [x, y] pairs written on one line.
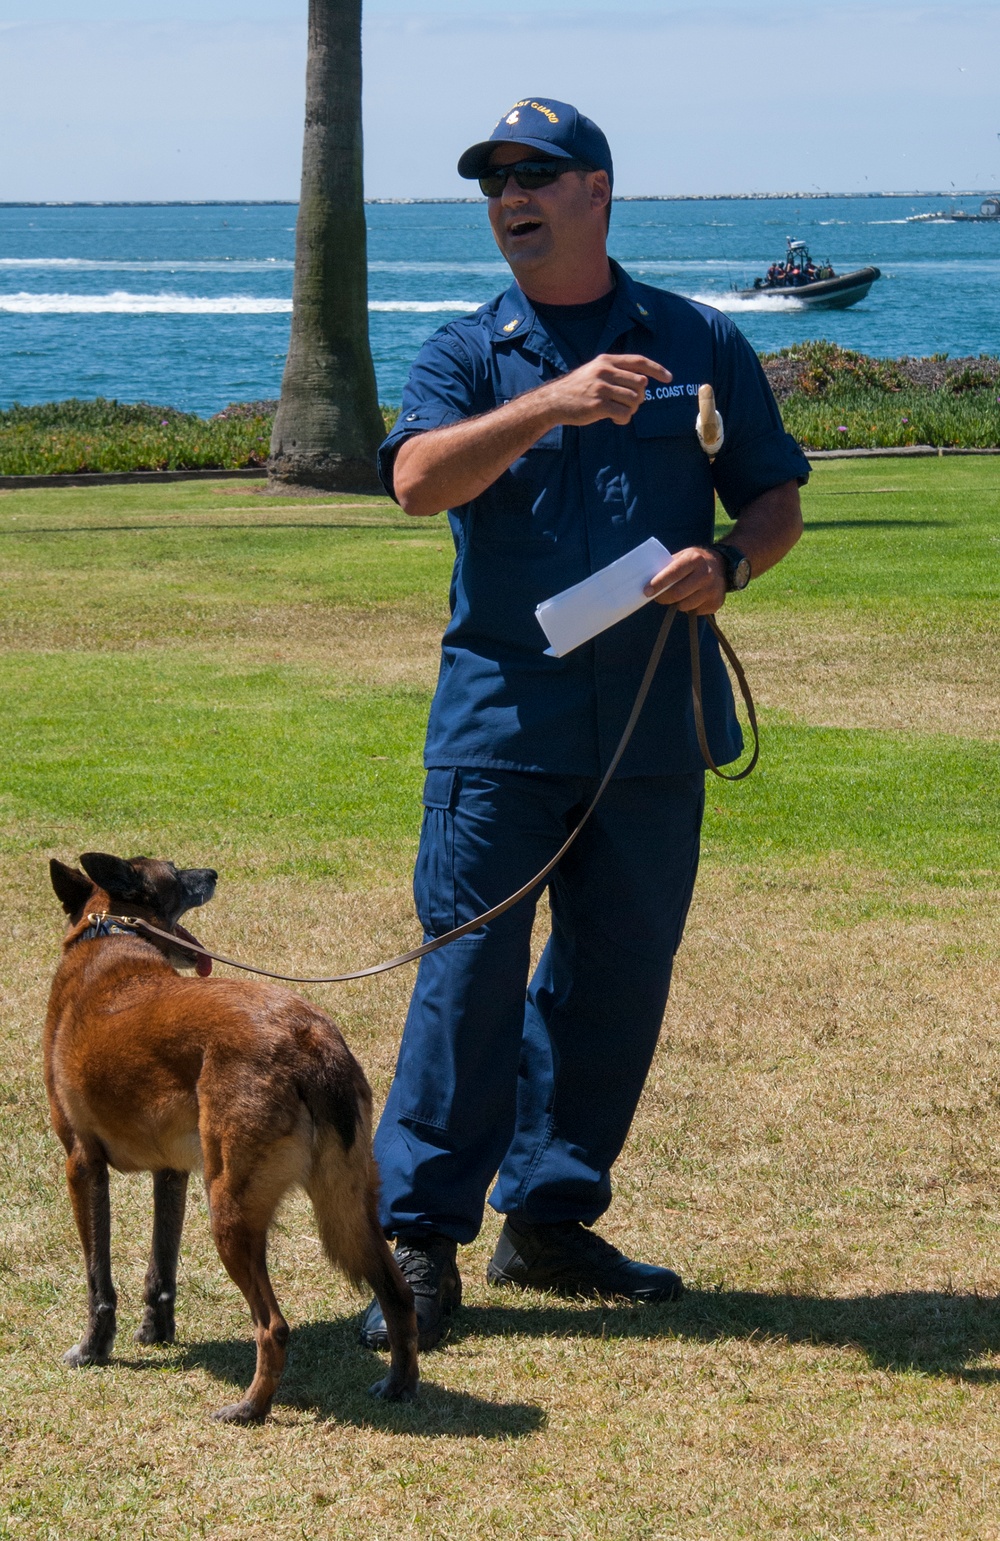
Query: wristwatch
[[736, 564]]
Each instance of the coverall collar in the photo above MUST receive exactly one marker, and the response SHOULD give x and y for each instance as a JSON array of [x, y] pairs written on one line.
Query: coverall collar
[[517, 322]]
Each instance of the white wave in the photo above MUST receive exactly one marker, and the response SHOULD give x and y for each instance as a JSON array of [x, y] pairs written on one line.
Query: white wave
[[723, 299], [121, 303], [425, 307], [487, 268], [120, 265]]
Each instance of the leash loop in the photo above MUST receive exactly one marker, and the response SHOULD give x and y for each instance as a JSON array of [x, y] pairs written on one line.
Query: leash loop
[[699, 714], [146, 928]]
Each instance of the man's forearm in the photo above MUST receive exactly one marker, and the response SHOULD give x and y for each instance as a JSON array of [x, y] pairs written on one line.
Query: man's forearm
[[767, 528], [447, 467]]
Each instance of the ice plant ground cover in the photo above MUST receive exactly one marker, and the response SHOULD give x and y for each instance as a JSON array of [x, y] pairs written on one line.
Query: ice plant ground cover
[[830, 398], [216, 675], [70, 437]]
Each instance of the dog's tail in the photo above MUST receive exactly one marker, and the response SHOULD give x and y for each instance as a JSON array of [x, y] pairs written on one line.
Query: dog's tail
[[343, 1187], [343, 1179]]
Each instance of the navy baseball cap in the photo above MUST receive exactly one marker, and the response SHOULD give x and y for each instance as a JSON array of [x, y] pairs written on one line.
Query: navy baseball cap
[[554, 128]]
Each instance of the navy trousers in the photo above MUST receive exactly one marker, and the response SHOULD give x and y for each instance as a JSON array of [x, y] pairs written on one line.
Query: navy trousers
[[533, 1084]]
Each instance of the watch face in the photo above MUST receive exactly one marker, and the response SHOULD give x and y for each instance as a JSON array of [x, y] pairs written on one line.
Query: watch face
[[736, 564]]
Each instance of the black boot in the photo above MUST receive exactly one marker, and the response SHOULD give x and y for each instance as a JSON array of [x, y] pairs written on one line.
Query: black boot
[[427, 1263], [572, 1260]]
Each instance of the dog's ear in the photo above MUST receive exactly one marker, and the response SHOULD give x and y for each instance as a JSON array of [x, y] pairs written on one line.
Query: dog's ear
[[118, 878], [72, 888]]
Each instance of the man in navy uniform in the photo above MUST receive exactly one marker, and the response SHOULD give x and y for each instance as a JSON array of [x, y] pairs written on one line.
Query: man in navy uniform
[[557, 427]]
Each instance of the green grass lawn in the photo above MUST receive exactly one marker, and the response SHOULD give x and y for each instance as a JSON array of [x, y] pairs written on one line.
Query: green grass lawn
[[174, 717], [230, 678]]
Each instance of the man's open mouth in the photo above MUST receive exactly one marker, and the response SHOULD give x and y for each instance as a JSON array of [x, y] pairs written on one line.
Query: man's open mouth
[[524, 226]]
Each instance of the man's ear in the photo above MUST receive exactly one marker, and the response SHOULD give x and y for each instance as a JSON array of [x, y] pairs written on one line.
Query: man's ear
[[601, 189], [72, 889], [118, 878]]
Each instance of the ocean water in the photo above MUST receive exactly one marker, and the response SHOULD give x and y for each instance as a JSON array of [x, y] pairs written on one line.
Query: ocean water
[[189, 306]]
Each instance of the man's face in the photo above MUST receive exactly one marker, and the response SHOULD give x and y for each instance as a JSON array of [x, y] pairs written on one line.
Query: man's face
[[544, 228]]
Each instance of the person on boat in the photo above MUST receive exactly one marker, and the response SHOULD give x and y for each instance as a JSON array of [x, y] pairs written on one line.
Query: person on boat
[[557, 426]]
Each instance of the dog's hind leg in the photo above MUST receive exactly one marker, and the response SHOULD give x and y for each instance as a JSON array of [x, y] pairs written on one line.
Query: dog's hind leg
[[87, 1175], [239, 1227], [395, 1297], [160, 1288]]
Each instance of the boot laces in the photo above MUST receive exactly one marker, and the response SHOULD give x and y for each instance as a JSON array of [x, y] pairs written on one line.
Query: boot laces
[[420, 1268], [590, 1243]]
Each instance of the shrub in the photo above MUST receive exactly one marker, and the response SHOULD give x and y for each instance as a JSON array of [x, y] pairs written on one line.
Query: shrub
[[825, 366]]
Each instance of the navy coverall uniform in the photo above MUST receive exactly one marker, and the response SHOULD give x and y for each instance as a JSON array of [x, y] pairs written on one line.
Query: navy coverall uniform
[[537, 1084]]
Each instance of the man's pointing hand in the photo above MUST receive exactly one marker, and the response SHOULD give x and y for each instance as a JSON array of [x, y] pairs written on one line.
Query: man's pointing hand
[[611, 385]]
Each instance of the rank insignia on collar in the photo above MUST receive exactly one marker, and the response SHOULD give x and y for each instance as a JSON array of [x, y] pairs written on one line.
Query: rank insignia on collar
[[512, 324]]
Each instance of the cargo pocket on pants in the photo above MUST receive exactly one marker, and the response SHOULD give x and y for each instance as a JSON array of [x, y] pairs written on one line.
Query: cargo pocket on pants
[[434, 872]]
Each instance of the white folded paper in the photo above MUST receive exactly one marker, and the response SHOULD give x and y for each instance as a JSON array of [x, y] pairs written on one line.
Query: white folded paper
[[590, 607]]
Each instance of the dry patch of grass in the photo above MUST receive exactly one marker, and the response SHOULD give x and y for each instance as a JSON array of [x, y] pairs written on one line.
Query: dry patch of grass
[[817, 1150], [380, 646], [854, 671]]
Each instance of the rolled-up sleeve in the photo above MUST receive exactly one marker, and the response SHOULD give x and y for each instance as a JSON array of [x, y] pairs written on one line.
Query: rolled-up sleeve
[[757, 453], [439, 391]]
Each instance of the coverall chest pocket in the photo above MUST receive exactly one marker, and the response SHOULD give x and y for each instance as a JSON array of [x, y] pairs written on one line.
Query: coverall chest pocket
[[675, 470], [673, 418]]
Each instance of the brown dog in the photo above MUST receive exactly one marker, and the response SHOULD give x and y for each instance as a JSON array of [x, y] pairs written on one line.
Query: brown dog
[[149, 1071]]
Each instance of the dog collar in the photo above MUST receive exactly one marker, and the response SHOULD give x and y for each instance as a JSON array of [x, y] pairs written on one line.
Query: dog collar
[[104, 927]]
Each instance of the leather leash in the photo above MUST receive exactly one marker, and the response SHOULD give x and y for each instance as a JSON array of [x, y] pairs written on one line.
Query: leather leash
[[147, 929]]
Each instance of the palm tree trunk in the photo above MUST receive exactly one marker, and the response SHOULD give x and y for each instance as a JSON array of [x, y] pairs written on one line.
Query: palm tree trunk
[[328, 425]]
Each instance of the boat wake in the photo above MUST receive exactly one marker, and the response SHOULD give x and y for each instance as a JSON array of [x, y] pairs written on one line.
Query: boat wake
[[721, 299]]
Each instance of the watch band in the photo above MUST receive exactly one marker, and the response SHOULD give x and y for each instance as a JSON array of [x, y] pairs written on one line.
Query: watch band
[[736, 564]]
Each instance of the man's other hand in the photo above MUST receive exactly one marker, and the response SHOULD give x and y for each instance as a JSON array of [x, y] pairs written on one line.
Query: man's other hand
[[611, 385], [766, 529], [693, 580]]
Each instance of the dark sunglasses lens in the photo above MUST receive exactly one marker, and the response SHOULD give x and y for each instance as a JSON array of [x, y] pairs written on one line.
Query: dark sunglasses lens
[[531, 174], [527, 175]]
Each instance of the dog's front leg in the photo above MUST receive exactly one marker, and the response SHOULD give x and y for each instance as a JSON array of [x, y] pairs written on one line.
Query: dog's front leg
[[160, 1289], [87, 1175]]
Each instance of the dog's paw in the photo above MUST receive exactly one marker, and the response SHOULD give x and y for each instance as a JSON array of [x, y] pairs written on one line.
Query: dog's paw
[[149, 1333], [239, 1412], [80, 1354], [389, 1391]]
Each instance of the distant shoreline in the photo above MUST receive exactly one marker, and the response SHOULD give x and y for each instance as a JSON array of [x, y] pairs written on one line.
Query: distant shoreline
[[292, 203]]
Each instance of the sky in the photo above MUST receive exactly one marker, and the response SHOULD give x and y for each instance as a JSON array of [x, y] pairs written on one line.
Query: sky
[[131, 99]]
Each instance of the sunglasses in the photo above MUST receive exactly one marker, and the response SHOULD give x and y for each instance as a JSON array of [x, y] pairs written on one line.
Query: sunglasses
[[527, 174]]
